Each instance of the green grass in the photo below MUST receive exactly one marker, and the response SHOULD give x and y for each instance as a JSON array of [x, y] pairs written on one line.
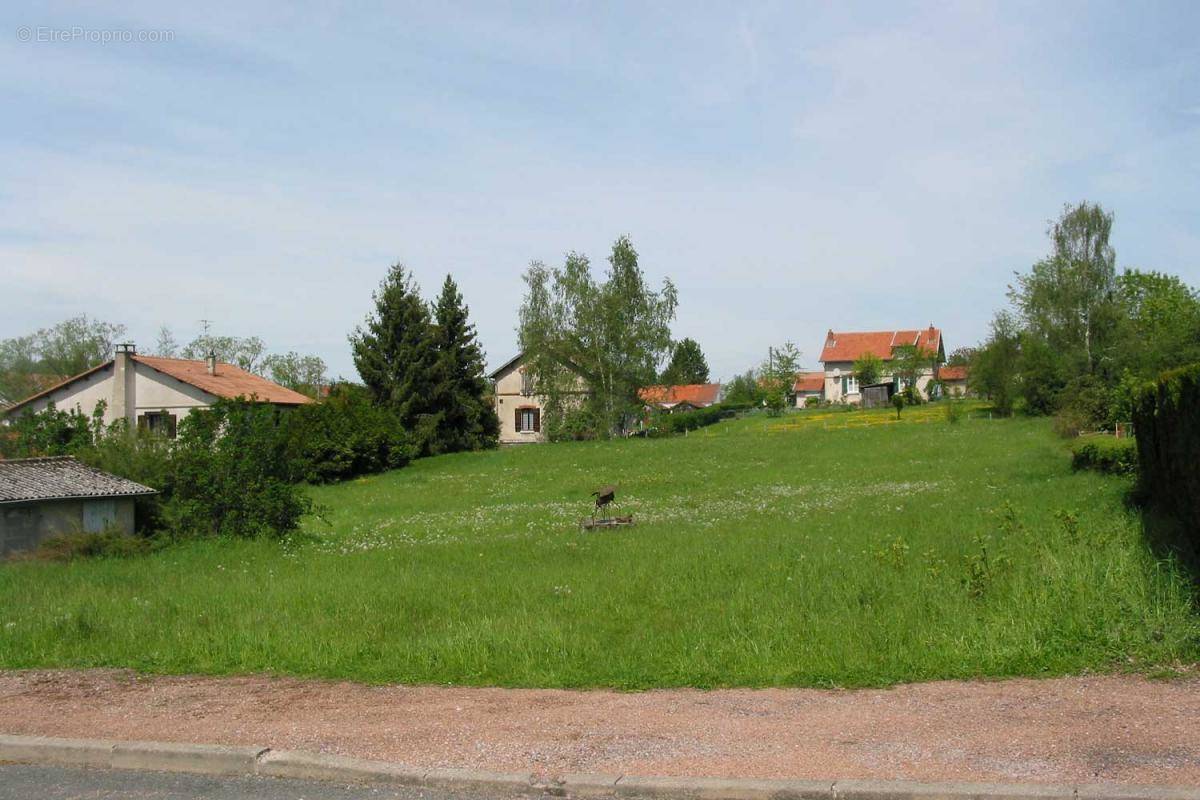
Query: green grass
[[766, 553]]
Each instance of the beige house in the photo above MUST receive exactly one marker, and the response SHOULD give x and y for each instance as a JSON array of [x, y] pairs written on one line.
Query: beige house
[[519, 409], [842, 349], [152, 392], [45, 497]]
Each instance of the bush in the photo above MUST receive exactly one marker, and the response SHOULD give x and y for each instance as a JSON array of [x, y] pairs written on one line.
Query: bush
[[90, 545], [140, 456], [690, 420], [1105, 454], [346, 436], [49, 433], [955, 410], [812, 401], [1166, 419], [232, 474]]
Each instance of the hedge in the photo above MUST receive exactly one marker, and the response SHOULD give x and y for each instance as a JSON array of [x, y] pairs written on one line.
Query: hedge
[[1166, 418], [1105, 454], [691, 420]]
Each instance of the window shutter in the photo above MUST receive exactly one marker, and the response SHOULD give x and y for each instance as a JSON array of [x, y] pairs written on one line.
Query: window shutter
[[517, 424], [172, 425], [537, 420]]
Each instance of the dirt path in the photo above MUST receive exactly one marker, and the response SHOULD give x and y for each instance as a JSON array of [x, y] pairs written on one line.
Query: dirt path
[[1090, 729]]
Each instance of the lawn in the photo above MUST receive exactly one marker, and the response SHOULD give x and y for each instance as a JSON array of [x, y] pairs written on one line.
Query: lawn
[[767, 552]]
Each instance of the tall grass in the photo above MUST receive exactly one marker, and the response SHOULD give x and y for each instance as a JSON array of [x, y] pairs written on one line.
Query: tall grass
[[762, 556]]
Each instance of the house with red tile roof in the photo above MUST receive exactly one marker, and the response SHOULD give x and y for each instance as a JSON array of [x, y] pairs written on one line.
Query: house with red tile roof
[[843, 348], [808, 384], [152, 392], [682, 397]]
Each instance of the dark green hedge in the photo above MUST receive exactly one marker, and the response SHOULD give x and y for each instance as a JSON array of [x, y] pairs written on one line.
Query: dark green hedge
[[1166, 419], [690, 420], [1105, 454]]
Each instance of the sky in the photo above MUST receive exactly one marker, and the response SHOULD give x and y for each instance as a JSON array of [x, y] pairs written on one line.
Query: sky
[[791, 167]]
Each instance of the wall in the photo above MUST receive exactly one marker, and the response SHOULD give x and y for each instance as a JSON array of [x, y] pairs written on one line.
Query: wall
[[23, 526], [151, 390], [508, 399], [833, 386]]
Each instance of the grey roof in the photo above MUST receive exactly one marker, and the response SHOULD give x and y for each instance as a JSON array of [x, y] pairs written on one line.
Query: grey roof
[[61, 478]]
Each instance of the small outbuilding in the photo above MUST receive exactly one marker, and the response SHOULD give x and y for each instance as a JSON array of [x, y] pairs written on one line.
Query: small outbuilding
[[45, 497]]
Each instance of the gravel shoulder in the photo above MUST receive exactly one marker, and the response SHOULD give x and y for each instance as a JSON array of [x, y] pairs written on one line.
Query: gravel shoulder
[[1091, 729]]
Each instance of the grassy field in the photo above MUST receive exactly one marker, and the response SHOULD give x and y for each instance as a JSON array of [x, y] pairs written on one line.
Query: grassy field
[[767, 552]]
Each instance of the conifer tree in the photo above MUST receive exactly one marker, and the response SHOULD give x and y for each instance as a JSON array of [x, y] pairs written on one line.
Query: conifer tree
[[464, 416], [394, 354]]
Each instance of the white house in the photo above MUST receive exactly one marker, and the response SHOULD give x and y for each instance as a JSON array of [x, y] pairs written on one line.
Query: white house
[[842, 349], [153, 392]]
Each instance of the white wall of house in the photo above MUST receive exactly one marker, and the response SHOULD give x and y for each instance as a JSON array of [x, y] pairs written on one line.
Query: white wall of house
[[801, 397], [834, 385], [149, 392]]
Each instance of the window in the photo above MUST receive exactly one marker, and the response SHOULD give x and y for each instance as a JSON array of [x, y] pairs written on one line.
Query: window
[[849, 384], [160, 422], [529, 420], [526, 383]]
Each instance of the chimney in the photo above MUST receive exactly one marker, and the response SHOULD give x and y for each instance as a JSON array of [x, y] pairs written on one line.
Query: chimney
[[123, 402], [211, 362]]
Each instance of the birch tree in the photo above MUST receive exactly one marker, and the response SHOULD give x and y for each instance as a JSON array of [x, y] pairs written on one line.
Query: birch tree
[[589, 345]]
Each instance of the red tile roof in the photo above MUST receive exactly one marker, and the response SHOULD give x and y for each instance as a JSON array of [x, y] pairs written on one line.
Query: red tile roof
[[809, 382], [228, 382], [851, 345], [953, 373], [696, 394]]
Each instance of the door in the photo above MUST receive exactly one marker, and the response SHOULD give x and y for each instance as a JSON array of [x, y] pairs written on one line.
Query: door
[[99, 515]]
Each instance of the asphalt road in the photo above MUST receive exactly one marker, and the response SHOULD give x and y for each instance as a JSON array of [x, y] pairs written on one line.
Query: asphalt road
[[22, 782]]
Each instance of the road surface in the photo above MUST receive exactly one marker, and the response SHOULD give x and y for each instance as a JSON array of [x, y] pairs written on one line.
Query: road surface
[[24, 782]]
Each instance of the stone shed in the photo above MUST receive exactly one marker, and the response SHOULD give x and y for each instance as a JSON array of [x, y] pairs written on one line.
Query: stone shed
[[45, 497]]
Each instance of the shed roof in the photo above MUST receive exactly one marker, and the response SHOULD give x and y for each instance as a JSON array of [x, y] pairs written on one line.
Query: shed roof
[[809, 382], [60, 478], [956, 373]]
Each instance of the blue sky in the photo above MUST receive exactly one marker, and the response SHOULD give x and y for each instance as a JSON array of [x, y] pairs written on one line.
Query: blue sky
[[792, 167]]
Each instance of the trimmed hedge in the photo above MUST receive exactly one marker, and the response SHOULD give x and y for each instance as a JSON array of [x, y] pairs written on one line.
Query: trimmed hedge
[[690, 420], [1105, 454], [1166, 418]]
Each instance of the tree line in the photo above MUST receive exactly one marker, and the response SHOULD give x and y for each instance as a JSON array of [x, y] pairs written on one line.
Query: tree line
[[1078, 338]]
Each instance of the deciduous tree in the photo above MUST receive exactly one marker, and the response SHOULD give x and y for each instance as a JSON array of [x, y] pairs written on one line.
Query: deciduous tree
[[612, 335]]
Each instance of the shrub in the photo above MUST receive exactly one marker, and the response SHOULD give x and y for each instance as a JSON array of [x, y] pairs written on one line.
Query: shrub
[[1105, 454], [140, 456], [232, 474], [812, 401], [1166, 419], [346, 436], [49, 433], [691, 420], [954, 411], [90, 545]]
